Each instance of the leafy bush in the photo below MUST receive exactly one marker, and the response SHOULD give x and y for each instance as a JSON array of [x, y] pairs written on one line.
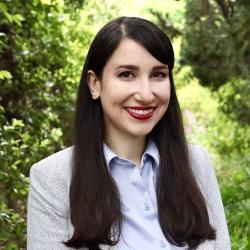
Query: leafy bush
[[35, 92], [42, 47]]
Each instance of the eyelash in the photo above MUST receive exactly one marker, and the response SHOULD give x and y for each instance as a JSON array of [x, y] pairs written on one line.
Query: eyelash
[[163, 75], [122, 74], [128, 74]]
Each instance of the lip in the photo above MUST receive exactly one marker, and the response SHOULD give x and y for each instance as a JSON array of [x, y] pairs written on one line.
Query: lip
[[141, 107], [141, 117]]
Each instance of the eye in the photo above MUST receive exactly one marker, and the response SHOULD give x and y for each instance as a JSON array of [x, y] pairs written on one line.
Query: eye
[[159, 74], [126, 74]]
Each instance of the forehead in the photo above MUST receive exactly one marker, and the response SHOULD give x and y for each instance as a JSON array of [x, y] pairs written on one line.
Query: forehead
[[132, 53]]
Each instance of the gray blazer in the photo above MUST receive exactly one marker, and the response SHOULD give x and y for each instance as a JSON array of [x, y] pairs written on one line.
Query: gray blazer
[[48, 222]]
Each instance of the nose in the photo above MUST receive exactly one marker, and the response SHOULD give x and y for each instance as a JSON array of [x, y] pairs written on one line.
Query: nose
[[144, 93]]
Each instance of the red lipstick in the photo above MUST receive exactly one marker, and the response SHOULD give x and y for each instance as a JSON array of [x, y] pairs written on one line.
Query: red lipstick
[[140, 113]]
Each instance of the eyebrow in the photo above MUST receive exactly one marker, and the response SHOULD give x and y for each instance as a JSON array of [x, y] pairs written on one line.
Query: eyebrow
[[134, 67]]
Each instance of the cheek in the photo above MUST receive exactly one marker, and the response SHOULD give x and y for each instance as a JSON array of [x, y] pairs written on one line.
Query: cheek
[[163, 94], [115, 94], [112, 96], [165, 97]]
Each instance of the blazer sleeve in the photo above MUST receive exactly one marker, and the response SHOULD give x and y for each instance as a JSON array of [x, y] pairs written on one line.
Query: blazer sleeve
[[47, 216], [215, 208]]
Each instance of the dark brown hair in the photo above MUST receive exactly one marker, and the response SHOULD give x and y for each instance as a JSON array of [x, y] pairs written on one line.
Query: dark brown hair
[[95, 209]]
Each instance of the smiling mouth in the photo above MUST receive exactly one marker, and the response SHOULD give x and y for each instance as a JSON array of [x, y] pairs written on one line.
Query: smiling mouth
[[140, 113]]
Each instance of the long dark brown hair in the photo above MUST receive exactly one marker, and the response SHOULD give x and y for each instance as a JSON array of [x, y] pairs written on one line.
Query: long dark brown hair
[[95, 208]]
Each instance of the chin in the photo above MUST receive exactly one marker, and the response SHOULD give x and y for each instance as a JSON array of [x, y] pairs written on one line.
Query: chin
[[141, 133]]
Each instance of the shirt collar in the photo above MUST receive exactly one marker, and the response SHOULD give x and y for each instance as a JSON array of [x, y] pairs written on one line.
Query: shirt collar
[[151, 150], [108, 153]]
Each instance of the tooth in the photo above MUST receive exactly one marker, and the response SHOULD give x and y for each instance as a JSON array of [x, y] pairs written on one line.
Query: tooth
[[140, 111]]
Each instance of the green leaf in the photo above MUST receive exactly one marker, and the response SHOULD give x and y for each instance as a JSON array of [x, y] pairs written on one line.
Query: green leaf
[[8, 17], [3, 7], [17, 123], [4, 74], [18, 19]]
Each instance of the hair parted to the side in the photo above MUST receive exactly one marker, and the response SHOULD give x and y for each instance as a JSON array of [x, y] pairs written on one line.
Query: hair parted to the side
[[95, 209]]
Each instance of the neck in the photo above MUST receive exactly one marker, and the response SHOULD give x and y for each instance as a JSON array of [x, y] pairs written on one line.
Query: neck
[[130, 148]]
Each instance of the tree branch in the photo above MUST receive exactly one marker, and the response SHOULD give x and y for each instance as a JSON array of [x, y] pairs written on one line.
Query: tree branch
[[226, 8]]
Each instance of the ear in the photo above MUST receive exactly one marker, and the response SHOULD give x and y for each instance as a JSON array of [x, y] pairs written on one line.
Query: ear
[[94, 84]]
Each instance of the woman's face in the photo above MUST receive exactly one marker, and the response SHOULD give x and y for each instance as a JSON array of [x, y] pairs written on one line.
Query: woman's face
[[134, 91]]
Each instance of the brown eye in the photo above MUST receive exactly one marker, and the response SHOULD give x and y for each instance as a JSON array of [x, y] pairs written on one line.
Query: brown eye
[[126, 74], [159, 74]]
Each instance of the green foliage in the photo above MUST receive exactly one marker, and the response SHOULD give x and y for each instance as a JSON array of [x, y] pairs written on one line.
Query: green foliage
[[236, 194], [216, 40], [36, 90], [234, 99], [216, 44], [4, 74], [42, 49], [19, 149]]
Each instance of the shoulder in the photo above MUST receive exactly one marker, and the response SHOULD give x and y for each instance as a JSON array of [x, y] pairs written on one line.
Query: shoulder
[[206, 178], [197, 153], [64, 156], [53, 173], [201, 164], [48, 201], [198, 157], [57, 163]]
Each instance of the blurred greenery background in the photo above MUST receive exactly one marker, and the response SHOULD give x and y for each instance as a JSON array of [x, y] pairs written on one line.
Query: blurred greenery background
[[43, 44]]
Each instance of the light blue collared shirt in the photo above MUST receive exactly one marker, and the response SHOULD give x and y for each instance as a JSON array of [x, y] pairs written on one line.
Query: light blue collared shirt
[[140, 229]]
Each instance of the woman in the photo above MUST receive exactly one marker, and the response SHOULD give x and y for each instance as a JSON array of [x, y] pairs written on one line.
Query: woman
[[131, 181]]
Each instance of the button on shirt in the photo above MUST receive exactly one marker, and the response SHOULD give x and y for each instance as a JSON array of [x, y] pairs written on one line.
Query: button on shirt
[[140, 229]]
